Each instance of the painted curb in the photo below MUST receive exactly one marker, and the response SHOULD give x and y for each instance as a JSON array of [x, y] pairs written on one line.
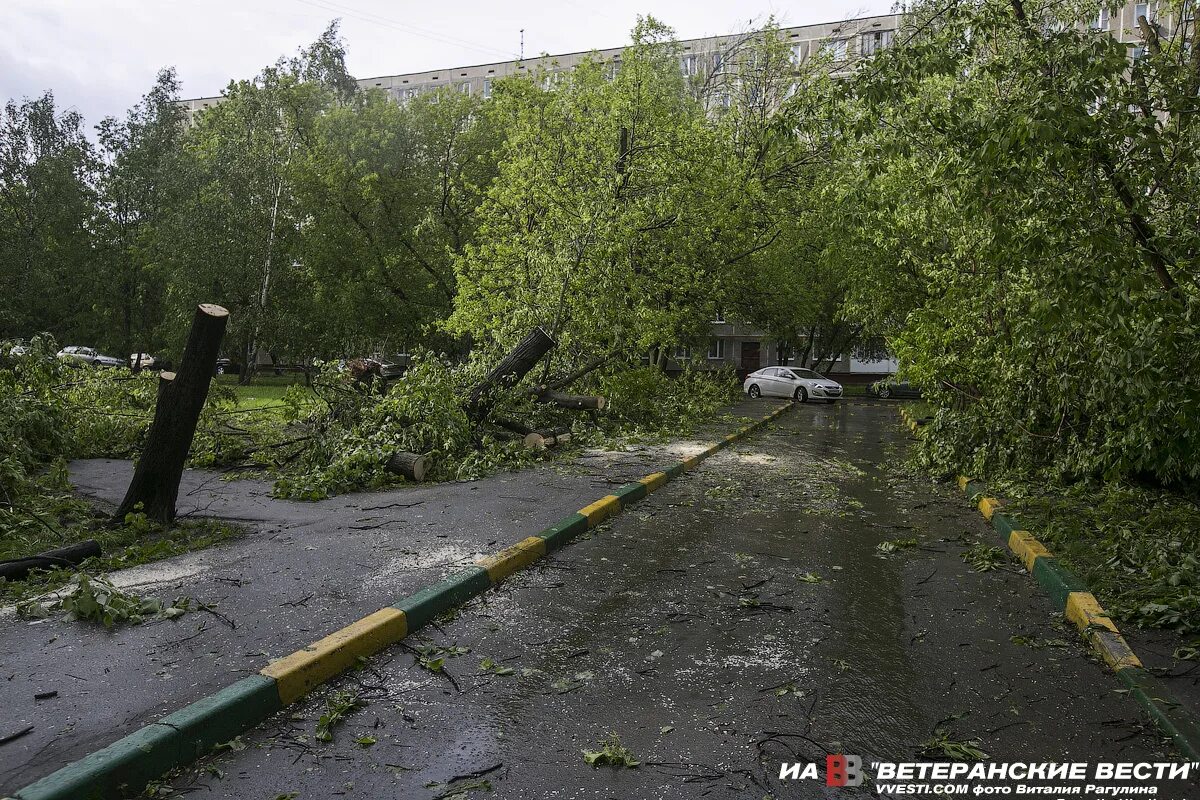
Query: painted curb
[[127, 764], [1071, 596]]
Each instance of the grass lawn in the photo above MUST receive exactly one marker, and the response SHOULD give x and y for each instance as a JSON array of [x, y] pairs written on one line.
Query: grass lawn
[[266, 392]]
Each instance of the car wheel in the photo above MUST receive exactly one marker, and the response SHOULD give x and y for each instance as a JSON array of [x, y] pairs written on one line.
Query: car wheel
[[801, 395], [755, 392], [884, 392], [220, 369]]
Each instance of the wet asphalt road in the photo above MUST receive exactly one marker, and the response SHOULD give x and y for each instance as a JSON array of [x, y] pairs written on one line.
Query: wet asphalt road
[[742, 616], [302, 571]]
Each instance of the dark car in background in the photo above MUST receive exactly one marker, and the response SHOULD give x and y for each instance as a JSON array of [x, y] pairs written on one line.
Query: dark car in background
[[890, 388]]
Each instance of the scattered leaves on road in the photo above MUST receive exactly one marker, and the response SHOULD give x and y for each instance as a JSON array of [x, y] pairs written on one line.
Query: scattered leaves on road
[[611, 753]]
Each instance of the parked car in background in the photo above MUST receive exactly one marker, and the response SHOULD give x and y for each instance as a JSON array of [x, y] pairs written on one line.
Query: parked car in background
[[889, 387], [795, 382], [89, 356], [142, 361]]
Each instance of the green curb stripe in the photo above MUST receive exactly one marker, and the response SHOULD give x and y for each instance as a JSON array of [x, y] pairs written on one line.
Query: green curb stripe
[[1004, 524], [179, 738], [1156, 699], [129, 763], [630, 493], [223, 715], [562, 532], [132, 761], [1057, 580], [426, 604]]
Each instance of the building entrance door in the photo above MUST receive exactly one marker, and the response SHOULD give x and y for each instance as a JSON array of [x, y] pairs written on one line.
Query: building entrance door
[[751, 358]]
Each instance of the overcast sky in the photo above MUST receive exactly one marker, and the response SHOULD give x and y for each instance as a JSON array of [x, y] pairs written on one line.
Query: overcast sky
[[100, 56]]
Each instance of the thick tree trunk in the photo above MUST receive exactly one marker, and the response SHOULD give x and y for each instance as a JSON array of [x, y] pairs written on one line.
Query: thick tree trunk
[[18, 568], [509, 371], [575, 401], [181, 397], [411, 465]]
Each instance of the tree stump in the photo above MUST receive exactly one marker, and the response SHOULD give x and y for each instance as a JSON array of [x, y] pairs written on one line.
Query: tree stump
[[411, 465], [181, 397], [552, 437]]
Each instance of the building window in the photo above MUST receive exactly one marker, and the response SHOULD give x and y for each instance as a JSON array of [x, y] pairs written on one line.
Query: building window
[[465, 88], [875, 41], [797, 53], [688, 65], [487, 88], [1139, 52], [682, 353], [1100, 21], [716, 349], [1147, 10], [718, 62], [835, 49]]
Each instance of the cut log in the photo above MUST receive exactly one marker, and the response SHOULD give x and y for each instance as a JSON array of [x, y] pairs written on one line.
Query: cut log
[[181, 397], [512, 425], [540, 440], [19, 568], [413, 466], [576, 401], [508, 372]]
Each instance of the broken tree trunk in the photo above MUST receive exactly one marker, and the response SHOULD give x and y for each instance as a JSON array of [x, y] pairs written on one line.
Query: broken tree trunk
[[509, 372], [181, 397], [576, 401], [19, 568], [411, 465], [552, 437]]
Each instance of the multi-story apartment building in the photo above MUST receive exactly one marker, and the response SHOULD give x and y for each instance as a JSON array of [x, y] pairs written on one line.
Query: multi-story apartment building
[[731, 343], [844, 40]]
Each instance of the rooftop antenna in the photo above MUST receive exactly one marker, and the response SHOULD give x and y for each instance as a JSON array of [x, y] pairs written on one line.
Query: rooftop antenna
[[522, 44]]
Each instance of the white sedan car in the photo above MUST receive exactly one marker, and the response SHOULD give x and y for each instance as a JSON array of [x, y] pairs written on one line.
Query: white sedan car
[[799, 384]]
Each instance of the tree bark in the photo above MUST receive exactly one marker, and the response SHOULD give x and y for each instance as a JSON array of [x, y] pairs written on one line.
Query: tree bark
[[509, 372], [575, 401], [18, 568], [413, 466], [181, 397]]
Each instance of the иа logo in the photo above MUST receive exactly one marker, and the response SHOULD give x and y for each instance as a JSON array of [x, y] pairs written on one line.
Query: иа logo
[[842, 770]]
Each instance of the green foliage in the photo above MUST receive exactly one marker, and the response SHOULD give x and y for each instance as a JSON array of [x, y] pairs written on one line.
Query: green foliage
[[984, 558], [1010, 213], [941, 745], [338, 706], [93, 598], [647, 399], [611, 753], [1137, 548]]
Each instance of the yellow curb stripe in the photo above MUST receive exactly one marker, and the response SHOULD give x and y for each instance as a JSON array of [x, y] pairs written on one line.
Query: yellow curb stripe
[[305, 669], [1084, 610], [653, 481], [1115, 651], [988, 506], [1027, 548], [500, 565], [733, 437], [601, 510], [691, 462]]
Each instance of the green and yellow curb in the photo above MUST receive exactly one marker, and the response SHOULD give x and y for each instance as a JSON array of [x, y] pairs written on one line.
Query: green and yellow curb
[[129, 763], [1080, 607]]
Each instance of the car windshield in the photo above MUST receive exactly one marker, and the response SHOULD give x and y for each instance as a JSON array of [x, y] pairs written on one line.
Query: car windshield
[[807, 374]]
